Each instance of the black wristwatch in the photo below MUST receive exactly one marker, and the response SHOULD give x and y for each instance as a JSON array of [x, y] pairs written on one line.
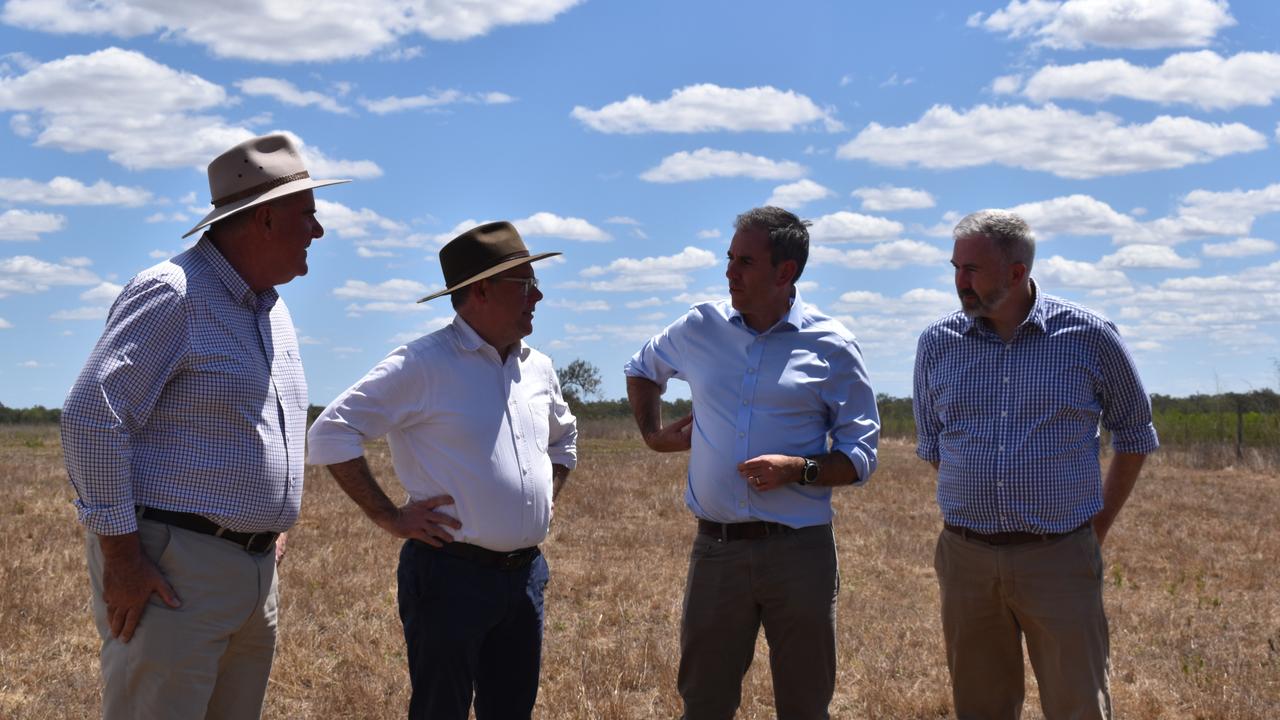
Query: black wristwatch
[[809, 476]]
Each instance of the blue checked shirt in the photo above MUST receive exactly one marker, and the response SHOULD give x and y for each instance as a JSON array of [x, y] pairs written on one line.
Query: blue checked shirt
[[788, 390], [193, 400], [1014, 427]]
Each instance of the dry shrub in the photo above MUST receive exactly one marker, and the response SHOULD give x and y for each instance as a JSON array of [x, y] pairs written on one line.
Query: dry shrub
[[1191, 591]]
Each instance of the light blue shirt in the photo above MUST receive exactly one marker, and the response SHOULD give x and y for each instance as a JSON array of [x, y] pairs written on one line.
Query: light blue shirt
[[797, 389], [1014, 426]]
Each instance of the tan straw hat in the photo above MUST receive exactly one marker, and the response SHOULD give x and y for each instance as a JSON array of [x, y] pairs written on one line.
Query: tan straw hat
[[482, 252], [254, 172]]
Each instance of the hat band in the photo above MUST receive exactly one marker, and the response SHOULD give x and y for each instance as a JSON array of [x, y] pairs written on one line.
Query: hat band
[[260, 188], [490, 263]]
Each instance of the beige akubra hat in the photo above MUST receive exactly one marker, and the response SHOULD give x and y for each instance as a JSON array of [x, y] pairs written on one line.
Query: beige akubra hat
[[254, 172], [482, 252]]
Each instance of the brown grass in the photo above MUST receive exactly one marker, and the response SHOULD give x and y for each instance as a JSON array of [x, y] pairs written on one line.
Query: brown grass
[[1192, 593]]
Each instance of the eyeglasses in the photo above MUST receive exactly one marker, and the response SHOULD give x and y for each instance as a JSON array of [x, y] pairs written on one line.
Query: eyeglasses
[[529, 283]]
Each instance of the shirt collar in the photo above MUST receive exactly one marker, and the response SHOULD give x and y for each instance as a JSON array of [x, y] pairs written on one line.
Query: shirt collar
[[236, 287], [793, 317], [471, 340], [1034, 318]]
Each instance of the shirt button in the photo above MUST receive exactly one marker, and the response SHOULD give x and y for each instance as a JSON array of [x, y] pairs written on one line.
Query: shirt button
[[1001, 448], [742, 503], [999, 483], [1006, 378], [750, 370], [741, 435], [746, 403], [1004, 413]]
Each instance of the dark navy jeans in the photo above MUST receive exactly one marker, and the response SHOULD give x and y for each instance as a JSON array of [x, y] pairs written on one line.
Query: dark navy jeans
[[470, 630]]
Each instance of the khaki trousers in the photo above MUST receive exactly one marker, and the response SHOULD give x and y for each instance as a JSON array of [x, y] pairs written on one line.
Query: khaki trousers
[[1051, 593], [209, 658], [787, 583]]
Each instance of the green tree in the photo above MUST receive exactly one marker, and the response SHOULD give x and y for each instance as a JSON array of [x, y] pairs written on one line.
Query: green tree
[[579, 380]]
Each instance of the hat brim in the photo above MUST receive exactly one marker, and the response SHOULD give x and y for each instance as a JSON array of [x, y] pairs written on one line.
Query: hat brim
[[500, 267], [277, 192]]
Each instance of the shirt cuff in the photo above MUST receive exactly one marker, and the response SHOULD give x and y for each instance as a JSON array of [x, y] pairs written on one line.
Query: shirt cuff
[[1136, 441], [928, 451], [331, 448], [862, 465], [564, 458], [107, 519]]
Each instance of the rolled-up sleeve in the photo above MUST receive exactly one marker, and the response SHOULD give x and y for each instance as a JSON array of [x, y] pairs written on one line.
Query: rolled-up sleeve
[[143, 346], [659, 359], [928, 426], [562, 436], [1126, 408], [379, 402], [855, 428]]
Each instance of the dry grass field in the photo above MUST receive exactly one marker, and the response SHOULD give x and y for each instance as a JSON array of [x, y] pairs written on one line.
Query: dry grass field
[[1192, 592]]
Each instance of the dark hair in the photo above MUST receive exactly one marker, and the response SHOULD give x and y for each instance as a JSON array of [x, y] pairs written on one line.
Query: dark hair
[[1011, 234], [788, 234]]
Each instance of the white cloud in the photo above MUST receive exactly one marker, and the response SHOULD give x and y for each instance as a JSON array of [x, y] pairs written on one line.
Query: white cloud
[[442, 98], [1206, 213], [365, 252], [1147, 256], [1006, 84], [580, 305], [622, 220], [884, 256], [103, 293], [340, 219], [708, 234], [157, 117], [668, 272], [628, 334], [707, 163], [887, 198], [1141, 24], [1242, 247], [847, 226], [793, 195], [289, 94], [69, 191], [385, 306], [316, 31], [5, 324], [430, 326], [27, 226], [890, 324], [709, 108], [1073, 215], [1049, 139], [546, 224], [87, 312], [393, 290], [1204, 79], [1058, 271], [647, 302], [26, 274]]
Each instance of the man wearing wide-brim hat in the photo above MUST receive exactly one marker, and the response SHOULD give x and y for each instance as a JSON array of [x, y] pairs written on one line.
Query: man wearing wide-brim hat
[[183, 437], [481, 440]]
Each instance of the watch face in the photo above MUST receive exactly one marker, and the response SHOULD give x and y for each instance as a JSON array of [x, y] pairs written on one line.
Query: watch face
[[810, 472]]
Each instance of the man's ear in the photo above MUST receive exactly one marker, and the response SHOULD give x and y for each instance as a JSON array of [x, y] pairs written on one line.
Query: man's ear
[[787, 272], [263, 214], [1017, 273]]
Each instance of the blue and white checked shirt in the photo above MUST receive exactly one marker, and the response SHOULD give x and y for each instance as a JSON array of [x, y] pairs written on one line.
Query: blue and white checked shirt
[[1014, 427], [193, 400], [786, 390]]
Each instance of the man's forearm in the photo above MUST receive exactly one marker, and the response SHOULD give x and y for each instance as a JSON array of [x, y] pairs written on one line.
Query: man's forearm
[[1122, 475], [559, 476], [357, 481], [645, 397], [835, 469]]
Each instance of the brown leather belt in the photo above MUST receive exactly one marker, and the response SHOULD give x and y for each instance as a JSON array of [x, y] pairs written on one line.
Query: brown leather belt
[[754, 530], [257, 543], [1008, 538], [513, 560]]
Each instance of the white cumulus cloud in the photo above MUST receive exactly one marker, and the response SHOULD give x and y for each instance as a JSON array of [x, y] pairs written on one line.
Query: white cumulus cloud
[[668, 272], [793, 195], [883, 256], [1139, 24], [393, 290], [289, 94], [707, 163], [1242, 247], [1073, 215], [428, 101], [28, 226], [887, 198], [1058, 271], [1203, 79], [845, 226], [1049, 139], [26, 274], [547, 224], [347, 222], [315, 31], [1147, 256], [69, 191], [708, 108]]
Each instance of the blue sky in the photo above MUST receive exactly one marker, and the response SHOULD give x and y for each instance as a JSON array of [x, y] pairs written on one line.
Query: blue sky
[[1137, 137]]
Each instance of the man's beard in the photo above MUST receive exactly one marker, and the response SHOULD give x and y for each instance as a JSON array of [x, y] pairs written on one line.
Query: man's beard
[[975, 306]]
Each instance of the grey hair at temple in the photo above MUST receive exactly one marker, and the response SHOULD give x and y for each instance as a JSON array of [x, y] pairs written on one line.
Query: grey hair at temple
[[1010, 233], [788, 234]]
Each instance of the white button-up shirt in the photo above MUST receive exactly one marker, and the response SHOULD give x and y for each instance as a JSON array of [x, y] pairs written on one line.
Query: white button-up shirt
[[461, 422]]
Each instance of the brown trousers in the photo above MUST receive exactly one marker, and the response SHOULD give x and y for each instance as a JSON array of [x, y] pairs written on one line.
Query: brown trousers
[[1048, 592], [209, 658], [787, 583]]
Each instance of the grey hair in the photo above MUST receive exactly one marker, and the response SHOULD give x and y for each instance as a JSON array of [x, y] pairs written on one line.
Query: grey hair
[[788, 234], [1011, 234]]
